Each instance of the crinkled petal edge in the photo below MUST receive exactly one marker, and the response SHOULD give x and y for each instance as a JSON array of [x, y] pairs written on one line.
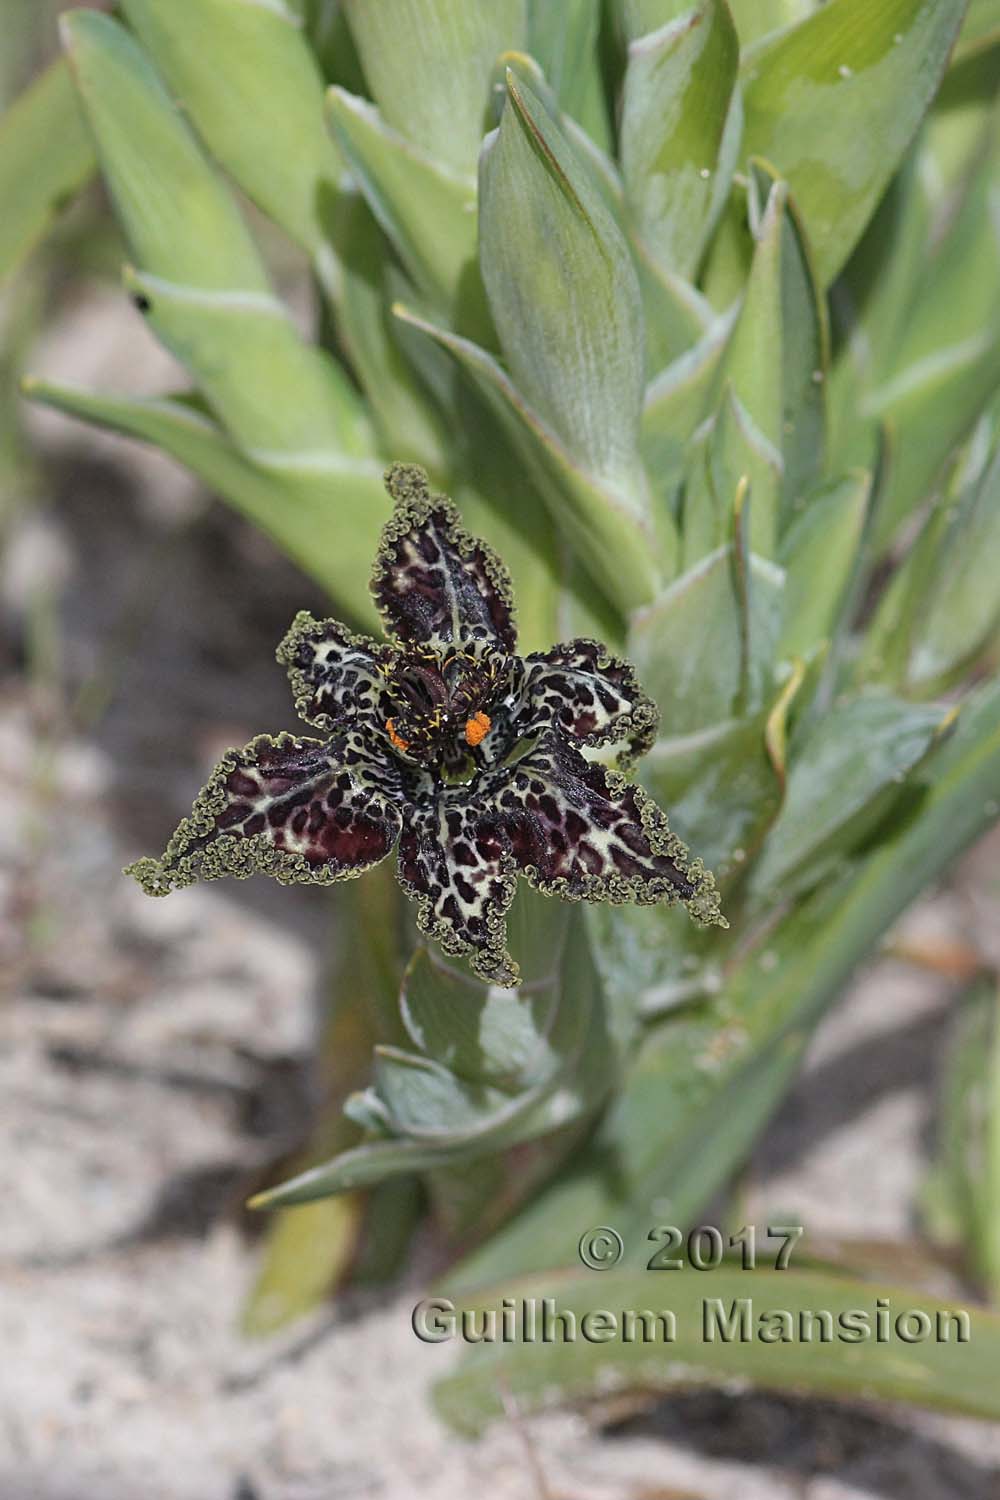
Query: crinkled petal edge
[[304, 628], [620, 890], [182, 864], [414, 501]]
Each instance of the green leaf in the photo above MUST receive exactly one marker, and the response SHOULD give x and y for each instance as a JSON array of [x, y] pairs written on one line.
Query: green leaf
[[308, 1253], [425, 1101], [777, 363], [758, 18], [215, 56], [962, 1196], [949, 1372], [564, 38], [960, 611], [304, 514], [614, 543], [721, 789], [643, 16], [680, 132], [677, 316], [819, 553], [202, 283], [706, 645], [485, 1034], [407, 421], [181, 222], [846, 764], [429, 65], [946, 362], [676, 402], [556, 1046], [563, 293], [45, 158], [981, 30], [727, 452], [708, 1078], [835, 101], [427, 210]]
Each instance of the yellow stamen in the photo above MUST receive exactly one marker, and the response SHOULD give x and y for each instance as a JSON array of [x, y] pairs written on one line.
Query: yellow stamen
[[399, 743], [477, 728]]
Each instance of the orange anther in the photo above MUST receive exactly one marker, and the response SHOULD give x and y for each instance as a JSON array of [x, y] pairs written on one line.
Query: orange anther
[[399, 743], [477, 728]]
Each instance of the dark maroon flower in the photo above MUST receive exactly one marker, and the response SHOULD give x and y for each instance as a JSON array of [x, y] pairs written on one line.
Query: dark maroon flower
[[445, 744]]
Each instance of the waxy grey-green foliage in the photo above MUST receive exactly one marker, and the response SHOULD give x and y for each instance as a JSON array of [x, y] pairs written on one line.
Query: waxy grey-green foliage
[[695, 310]]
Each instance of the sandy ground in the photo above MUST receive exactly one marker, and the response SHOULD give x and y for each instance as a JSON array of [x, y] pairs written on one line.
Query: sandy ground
[[154, 1054]]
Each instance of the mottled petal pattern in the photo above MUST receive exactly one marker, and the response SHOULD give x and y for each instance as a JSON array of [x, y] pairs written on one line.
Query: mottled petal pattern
[[335, 675], [297, 809], [580, 688], [580, 831], [456, 865], [433, 583], [446, 742]]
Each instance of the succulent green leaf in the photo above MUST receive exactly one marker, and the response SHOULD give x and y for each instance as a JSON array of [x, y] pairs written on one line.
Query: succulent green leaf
[[721, 788], [563, 293], [677, 316], [180, 220], [214, 56], [484, 1034], [819, 552], [960, 611], [707, 1079], [871, 302], [429, 66], [676, 402], [980, 31], [614, 543], [561, 1070], [427, 210], [426, 1101], [952, 1372], [202, 283], [754, 366], [303, 513], [680, 131], [46, 156], [640, 17], [704, 649], [308, 1254], [946, 361], [845, 771], [407, 420], [835, 101], [962, 1195], [564, 38], [727, 452], [759, 18], [805, 353], [286, 404]]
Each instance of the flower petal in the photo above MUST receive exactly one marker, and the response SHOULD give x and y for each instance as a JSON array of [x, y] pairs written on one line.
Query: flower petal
[[297, 809], [335, 674], [456, 867], [433, 582], [580, 688], [580, 831]]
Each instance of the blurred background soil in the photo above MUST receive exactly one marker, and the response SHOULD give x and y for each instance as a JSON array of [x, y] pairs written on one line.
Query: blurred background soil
[[155, 1058]]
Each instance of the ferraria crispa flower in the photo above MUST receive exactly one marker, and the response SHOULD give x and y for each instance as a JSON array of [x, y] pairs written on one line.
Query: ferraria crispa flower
[[444, 744]]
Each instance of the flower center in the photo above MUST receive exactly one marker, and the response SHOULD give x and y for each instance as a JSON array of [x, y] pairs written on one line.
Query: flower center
[[443, 707]]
